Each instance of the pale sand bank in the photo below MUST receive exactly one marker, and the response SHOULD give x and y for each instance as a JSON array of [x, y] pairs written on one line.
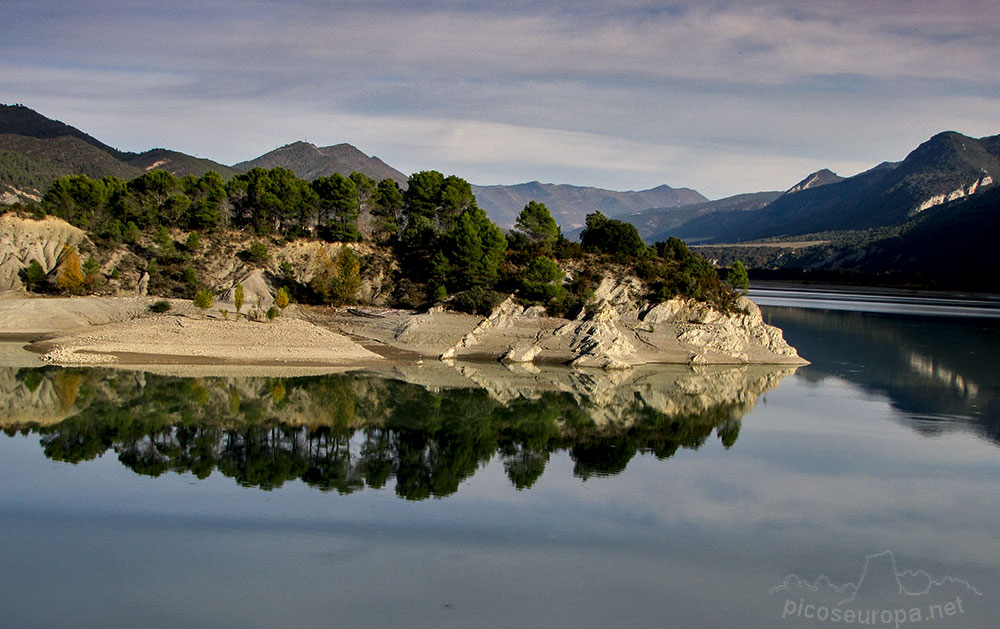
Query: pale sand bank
[[122, 331], [180, 339]]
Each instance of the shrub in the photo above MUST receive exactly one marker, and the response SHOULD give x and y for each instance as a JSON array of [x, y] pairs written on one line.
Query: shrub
[[203, 299], [34, 276], [272, 312], [190, 278], [281, 298], [543, 281], [159, 306], [477, 300], [737, 277], [258, 253], [91, 272], [238, 298], [161, 237], [337, 282], [131, 233]]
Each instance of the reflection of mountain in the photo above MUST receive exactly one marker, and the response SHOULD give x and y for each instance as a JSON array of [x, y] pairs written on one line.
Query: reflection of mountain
[[346, 432], [940, 372]]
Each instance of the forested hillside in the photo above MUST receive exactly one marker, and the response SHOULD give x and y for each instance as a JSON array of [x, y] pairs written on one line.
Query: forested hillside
[[428, 243]]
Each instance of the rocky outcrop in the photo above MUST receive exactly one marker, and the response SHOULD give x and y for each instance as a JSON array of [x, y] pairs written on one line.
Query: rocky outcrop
[[958, 193], [598, 341], [741, 335], [257, 293], [617, 331]]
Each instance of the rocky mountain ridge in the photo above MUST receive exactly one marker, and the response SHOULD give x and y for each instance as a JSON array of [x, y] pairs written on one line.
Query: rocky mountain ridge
[[35, 150], [946, 167]]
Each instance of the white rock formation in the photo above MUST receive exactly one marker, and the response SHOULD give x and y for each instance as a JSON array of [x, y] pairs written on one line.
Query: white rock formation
[[24, 240], [958, 193]]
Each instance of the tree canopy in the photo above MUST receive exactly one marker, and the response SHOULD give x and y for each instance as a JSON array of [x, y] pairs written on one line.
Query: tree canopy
[[609, 235], [537, 224]]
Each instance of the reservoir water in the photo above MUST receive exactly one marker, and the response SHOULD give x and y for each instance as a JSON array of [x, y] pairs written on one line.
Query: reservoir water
[[860, 490]]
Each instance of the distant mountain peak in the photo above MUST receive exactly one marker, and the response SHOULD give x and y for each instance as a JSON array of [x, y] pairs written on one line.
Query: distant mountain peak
[[814, 180], [309, 161], [21, 120]]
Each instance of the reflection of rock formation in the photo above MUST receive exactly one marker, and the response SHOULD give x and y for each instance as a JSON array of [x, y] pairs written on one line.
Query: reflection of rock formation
[[344, 432], [928, 367], [28, 398]]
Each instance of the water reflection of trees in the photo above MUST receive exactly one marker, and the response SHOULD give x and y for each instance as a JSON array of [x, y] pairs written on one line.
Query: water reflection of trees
[[347, 432]]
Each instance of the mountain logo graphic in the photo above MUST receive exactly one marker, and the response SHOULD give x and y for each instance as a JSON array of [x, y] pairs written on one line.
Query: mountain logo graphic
[[882, 594]]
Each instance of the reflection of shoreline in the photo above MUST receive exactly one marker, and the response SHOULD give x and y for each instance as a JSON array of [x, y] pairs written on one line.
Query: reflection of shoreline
[[942, 374], [428, 429]]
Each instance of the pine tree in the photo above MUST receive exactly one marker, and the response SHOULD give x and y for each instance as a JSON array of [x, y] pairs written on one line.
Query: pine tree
[[738, 278]]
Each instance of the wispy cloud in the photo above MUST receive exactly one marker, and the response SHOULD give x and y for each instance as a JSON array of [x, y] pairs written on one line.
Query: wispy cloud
[[631, 95]]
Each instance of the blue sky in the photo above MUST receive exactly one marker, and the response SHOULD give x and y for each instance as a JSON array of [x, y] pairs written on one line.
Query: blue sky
[[723, 97]]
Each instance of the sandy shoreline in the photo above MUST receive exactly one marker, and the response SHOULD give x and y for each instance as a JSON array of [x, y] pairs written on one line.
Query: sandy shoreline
[[123, 332]]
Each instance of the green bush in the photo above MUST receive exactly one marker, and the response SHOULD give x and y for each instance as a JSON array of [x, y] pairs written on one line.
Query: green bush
[[203, 299], [258, 253], [477, 300], [190, 278], [34, 276], [543, 281], [131, 233], [159, 306]]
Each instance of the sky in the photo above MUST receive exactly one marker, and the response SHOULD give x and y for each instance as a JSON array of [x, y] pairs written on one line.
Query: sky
[[722, 97]]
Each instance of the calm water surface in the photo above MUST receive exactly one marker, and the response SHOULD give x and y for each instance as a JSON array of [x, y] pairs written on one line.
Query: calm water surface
[[857, 491]]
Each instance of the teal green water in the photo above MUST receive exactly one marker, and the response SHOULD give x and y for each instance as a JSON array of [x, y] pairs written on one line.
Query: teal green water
[[670, 497]]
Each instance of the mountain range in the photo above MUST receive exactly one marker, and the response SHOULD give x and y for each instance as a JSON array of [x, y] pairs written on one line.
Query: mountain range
[[569, 205], [933, 209], [947, 167], [35, 150]]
